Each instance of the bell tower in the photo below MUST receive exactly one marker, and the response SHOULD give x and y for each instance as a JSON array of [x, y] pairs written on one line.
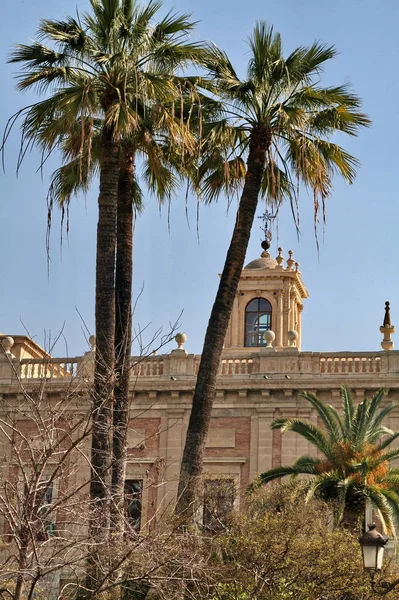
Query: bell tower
[[269, 299]]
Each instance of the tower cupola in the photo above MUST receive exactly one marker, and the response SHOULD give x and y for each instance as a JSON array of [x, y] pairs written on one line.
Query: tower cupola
[[269, 298]]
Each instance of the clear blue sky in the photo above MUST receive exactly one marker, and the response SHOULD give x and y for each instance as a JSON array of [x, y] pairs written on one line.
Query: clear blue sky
[[357, 269]]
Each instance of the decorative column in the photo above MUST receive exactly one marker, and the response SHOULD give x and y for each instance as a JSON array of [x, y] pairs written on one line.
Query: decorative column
[[299, 327], [286, 313], [279, 318], [291, 324], [234, 325]]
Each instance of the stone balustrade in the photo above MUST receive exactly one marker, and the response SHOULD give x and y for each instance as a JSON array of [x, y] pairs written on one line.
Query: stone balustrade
[[49, 367], [362, 363], [179, 363]]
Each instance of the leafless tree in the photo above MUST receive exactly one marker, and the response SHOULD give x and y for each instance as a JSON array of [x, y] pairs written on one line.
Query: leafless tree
[[45, 508]]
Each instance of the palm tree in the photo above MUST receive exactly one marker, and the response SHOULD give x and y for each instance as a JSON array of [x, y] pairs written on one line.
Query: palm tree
[[151, 54], [354, 467], [151, 144], [105, 68], [280, 120]]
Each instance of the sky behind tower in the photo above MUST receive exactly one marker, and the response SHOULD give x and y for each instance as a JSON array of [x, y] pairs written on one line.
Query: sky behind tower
[[174, 270]]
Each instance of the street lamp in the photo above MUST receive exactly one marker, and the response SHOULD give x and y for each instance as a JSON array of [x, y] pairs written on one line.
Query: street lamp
[[373, 545]]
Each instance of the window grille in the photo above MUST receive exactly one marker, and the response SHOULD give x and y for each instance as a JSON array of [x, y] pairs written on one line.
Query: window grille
[[133, 502], [219, 495], [258, 319]]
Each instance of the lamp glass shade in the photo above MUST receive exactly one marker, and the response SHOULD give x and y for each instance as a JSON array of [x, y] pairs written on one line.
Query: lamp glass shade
[[372, 557], [380, 556]]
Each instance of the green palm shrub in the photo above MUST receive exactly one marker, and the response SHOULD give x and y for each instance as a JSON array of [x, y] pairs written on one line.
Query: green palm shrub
[[353, 466]]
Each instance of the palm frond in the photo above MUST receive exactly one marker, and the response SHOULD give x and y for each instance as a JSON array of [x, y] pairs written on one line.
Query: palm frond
[[328, 416], [172, 24], [37, 55], [307, 430], [222, 176], [382, 444], [384, 413], [348, 409], [359, 424], [342, 489], [384, 507], [387, 456], [323, 486], [69, 180], [311, 60], [277, 473], [308, 465], [266, 53], [390, 480], [68, 34], [338, 118], [222, 71], [276, 185]]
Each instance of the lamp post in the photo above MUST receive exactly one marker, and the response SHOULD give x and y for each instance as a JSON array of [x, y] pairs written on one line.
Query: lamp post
[[373, 544]]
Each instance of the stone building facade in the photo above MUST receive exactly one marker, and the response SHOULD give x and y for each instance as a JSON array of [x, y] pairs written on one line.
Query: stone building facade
[[261, 372]]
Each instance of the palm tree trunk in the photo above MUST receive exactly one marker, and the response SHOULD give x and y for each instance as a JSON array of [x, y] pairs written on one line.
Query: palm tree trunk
[[105, 334], [205, 389], [123, 337], [353, 520]]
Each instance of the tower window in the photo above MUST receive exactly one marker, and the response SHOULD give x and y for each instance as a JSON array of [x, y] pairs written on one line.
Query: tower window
[[258, 319]]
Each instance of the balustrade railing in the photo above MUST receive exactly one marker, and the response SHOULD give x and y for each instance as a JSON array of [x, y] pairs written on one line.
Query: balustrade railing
[[150, 367], [236, 366], [327, 363], [39, 368], [242, 365], [362, 363]]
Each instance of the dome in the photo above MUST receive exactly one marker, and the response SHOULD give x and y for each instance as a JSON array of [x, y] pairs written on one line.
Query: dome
[[264, 262]]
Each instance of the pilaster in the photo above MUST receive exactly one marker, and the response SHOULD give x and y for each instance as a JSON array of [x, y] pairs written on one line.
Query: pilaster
[[265, 439], [174, 425], [279, 318]]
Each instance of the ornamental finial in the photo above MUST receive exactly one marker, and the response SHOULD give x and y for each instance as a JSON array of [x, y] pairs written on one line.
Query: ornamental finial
[[180, 339], [7, 343], [290, 261], [387, 329], [280, 258], [387, 316]]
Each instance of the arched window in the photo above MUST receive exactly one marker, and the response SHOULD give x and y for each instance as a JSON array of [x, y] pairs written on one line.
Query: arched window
[[258, 319]]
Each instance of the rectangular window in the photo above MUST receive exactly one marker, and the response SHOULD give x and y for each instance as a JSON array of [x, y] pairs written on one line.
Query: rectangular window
[[219, 497], [133, 502]]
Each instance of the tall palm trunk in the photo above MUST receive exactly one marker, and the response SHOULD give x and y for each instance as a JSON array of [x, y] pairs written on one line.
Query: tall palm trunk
[[123, 336], [105, 333], [205, 389]]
